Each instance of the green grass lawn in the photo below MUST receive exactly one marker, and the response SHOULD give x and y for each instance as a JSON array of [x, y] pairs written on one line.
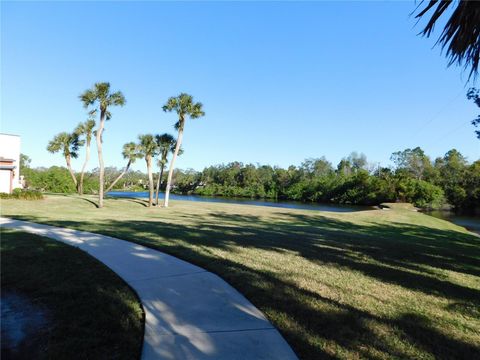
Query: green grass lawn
[[371, 284], [91, 312]]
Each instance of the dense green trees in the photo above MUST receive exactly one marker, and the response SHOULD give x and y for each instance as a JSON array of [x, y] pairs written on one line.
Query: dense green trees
[[412, 162], [415, 178], [54, 179]]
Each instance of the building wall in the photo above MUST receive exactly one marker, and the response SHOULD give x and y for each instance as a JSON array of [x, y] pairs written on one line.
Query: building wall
[[10, 149], [5, 181]]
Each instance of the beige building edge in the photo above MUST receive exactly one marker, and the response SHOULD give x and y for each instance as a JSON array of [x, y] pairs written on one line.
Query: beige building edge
[[10, 163]]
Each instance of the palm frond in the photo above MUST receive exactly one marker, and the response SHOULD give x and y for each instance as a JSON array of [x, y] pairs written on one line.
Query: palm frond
[[88, 97], [184, 106], [131, 151], [100, 96], [461, 34], [179, 125], [102, 89], [171, 104], [164, 139], [117, 99], [196, 111], [69, 144], [147, 145], [55, 144]]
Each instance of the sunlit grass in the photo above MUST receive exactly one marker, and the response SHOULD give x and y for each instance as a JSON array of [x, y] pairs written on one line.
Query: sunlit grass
[[370, 284]]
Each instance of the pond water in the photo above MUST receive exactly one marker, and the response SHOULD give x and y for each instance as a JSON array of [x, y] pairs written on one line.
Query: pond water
[[471, 223], [245, 201]]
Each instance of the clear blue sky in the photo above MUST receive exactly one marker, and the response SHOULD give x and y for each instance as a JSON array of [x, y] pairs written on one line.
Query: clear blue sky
[[280, 82]]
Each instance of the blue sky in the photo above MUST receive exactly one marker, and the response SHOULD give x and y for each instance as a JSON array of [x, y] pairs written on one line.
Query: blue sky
[[280, 81]]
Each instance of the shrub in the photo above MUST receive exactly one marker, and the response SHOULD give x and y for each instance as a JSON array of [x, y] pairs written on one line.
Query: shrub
[[23, 195], [421, 193]]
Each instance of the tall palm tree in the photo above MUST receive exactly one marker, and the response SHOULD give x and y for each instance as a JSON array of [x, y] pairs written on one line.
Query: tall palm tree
[[131, 153], [184, 106], [68, 144], [166, 144], [85, 129], [148, 148], [100, 97]]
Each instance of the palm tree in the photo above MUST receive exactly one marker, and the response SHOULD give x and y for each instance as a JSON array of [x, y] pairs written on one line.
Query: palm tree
[[100, 97], [69, 145], [184, 106], [131, 153], [461, 33], [148, 148], [85, 129], [166, 144]]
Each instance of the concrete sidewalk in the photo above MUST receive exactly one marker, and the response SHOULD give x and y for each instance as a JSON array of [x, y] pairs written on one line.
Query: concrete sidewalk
[[190, 313]]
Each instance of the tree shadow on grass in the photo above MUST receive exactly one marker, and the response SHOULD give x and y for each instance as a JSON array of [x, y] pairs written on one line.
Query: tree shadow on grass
[[132, 200], [400, 254], [90, 201]]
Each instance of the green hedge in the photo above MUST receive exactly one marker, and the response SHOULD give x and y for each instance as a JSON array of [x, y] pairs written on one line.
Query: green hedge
[[23, 195]]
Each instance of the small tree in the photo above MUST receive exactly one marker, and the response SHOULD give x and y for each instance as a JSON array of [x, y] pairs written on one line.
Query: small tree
[[413, 162], [131, 153], [148, 148], [100, 97], [24, 162], [85, 129], [69, 145], [184, 106]]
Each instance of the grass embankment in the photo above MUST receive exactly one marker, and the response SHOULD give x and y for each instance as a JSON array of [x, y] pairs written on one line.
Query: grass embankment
[[92, 313], [371, 284]]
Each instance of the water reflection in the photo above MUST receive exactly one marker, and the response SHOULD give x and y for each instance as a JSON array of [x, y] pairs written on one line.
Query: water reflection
[[471, 223], [256, 202]]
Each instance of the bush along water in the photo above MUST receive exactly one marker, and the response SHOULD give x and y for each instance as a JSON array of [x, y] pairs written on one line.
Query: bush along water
[[414, 178]]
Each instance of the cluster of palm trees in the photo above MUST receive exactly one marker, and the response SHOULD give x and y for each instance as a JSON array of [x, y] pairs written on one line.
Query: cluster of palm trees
[[99, 99]]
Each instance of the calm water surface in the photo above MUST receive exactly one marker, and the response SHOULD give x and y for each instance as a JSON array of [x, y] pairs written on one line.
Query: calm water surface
[[471, 223], [257, 202]]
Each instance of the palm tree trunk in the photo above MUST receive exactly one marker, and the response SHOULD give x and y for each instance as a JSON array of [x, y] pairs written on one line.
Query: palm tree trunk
[[69, 166], [87, 157], [101, 180], [159, 181], [119, 176], [172, 165], [150, 180]]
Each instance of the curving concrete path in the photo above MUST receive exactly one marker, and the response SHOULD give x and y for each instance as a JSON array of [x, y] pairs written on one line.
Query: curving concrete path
[[190, 313]]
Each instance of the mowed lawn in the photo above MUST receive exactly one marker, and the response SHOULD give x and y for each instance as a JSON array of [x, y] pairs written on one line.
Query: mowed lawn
[[371, 284]]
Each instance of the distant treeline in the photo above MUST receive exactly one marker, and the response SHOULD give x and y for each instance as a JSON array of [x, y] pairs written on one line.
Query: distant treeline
[[415, 178]]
